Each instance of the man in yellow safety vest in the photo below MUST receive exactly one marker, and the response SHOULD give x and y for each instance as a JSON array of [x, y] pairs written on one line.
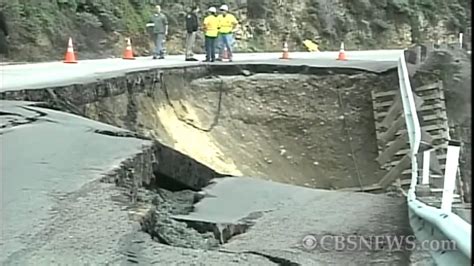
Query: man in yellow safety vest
[[211, 30], [227, 25]]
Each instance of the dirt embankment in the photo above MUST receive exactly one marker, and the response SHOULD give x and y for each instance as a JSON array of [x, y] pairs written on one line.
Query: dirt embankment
[[309, 130]]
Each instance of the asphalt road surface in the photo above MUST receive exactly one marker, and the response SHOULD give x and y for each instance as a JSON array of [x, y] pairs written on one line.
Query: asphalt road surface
[[286, 214], [41, 75], [55, 212], [46, 155]]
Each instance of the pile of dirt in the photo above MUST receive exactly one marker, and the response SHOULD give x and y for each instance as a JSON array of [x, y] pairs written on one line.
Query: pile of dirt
[[166, 230]]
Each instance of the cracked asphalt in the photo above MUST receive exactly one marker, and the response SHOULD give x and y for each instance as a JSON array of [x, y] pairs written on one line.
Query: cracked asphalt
[[46, 155]]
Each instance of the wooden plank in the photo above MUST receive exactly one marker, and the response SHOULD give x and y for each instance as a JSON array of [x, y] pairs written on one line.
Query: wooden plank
[[393, 112], [440, 149], [424, 108], [380, 105], [382, 94], [395, 172], [390, 151], [431, 86], [392, 130], [427, 107], [434, 117], [431, 97], [433, 137]]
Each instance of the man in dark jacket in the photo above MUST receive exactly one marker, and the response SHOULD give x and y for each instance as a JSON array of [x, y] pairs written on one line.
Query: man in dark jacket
[[3, 34], [192, 26]]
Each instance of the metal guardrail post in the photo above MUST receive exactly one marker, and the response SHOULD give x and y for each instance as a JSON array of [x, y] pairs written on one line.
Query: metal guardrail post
[[418, 55], [426, 168], [452, 158]]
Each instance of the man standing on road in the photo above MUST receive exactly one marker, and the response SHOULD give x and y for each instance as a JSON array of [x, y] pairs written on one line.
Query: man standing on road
[[227, 25], [159, 22], [192, 26], [211, 30], [3, 34]]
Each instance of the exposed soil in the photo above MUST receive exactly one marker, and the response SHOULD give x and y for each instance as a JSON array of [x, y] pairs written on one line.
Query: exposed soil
[[309, 130], [289, 128]]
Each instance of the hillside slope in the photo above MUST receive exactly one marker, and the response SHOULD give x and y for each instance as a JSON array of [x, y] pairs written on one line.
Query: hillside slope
[[40, 29]]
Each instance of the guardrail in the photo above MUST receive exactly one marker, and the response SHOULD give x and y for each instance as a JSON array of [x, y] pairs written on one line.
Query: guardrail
[[447, 223]]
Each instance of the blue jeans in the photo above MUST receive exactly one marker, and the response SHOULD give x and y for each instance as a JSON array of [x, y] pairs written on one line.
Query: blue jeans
[[159, 44], [225, 41], [210, 45]]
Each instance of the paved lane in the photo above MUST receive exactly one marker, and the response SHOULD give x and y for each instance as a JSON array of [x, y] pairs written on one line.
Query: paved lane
[[30, 76], [45, 155], [284, 214]]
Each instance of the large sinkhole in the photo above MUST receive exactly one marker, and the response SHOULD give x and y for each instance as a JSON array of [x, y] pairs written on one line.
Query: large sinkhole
[[313, 129]]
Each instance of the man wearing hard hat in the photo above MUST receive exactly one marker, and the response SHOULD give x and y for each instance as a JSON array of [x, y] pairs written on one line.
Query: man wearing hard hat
[[227, 25], [211, 30]]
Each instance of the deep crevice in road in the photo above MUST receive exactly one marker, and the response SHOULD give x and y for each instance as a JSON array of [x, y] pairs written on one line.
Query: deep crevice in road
[[277, 260]]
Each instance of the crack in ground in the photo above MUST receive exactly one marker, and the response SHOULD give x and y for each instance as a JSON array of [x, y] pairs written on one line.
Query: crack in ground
[[160, 224], [121, 134], [277, 260], [28, 120]]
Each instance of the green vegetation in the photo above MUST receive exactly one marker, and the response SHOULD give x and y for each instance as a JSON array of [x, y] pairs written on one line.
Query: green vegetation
[[40, 29]]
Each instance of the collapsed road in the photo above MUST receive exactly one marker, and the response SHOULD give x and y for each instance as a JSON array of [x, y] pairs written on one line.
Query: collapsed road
[[136, 168]]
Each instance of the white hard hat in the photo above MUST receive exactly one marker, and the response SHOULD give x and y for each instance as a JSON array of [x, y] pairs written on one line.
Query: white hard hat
[[212, 9], [224, 7]]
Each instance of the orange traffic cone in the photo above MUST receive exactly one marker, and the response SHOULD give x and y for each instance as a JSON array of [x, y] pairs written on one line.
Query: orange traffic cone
[[342, 54], [285, 54], [70, 57], [128, 53]]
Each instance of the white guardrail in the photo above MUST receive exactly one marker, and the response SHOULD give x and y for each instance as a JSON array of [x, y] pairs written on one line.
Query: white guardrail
[[448, 223]]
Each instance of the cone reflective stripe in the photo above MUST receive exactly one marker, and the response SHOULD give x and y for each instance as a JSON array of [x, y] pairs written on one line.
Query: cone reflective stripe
[[70, 48], [285, 54], [342, 54], [128, 53], [70, 57]]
